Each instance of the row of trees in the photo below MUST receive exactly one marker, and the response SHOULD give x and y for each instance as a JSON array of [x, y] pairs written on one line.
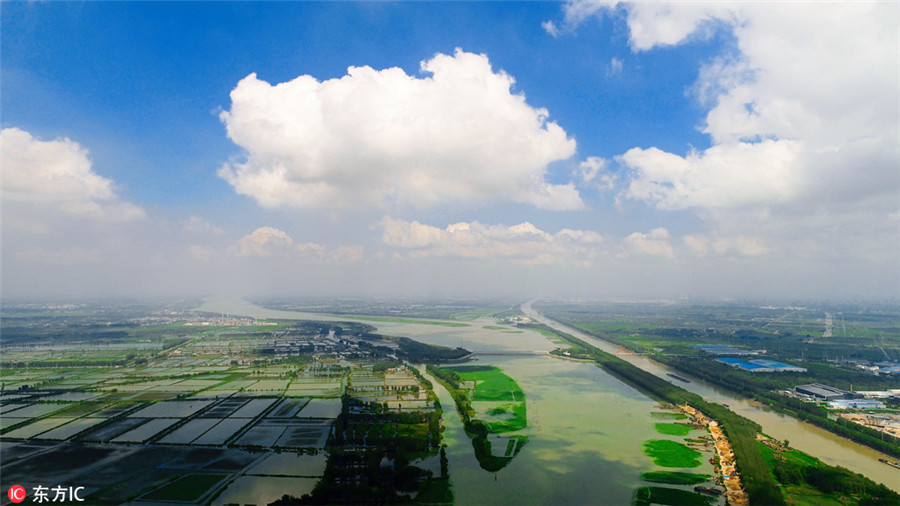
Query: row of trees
[[738, 382], [370, 457], [741, 432]]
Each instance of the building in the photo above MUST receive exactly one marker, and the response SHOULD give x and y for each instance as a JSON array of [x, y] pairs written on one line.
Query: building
[[744, 365], [721, 349], [856, 404], [778, 366], [821, 392], [760, 365]]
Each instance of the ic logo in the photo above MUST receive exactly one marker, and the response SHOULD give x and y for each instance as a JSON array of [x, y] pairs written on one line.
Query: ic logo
[[16, 493]]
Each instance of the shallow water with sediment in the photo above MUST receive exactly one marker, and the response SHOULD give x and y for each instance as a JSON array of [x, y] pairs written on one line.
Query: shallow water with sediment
[[585, 428]]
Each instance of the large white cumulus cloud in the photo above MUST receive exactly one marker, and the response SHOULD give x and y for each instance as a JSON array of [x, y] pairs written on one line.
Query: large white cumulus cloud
[[806, 109], [523, 243], [384, 138], [56, 177]]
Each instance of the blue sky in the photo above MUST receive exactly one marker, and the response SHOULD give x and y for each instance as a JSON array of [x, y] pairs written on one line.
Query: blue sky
[[699, 127]]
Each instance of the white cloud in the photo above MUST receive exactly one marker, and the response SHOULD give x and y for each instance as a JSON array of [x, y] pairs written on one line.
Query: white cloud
[[725, 246], [201, 252], [697, 243], [650, 24], [593, 171], [803, 121], [725, 175], [523, 243], [268, 242], [615, 67], [653, 243], [382, 138], [550, 28], [56, 176], [806, 109], [264, 242], [316, 253]]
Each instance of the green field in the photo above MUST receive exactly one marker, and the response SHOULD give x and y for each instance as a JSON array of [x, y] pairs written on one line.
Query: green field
[[667, 453], [490, 383], [673, 429]]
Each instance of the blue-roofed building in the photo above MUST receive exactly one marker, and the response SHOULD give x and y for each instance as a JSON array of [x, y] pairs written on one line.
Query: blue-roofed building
[[744, 365], [778, 366]]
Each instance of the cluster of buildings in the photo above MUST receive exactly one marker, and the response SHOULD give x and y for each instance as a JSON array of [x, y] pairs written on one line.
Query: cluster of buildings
[[841, 399], [755, 365], [723, 350], [344, 346], [881, 368], [760, 365]]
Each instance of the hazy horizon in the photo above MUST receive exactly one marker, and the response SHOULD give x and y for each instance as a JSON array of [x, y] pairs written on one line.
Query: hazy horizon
[[586, 149]]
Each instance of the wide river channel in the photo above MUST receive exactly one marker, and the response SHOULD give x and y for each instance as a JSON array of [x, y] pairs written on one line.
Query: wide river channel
[[817, 442], [585, 427]]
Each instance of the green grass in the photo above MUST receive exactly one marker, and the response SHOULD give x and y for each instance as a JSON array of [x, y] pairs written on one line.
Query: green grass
[[674, 478], [490, 383], [667, 453], [673, 429], [518, 422], [186, 488], [665, 495], [809, 496]]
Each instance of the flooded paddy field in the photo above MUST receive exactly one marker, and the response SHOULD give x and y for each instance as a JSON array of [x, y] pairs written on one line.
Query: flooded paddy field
[[126, 438]]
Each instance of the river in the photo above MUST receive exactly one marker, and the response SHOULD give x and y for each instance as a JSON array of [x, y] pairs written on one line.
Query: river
[[830, 448], [585, 427]]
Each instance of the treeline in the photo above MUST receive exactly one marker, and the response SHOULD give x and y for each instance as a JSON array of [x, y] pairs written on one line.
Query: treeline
[[417, 352], [806, 411], [833, 480], [363, 440], [173, 342], [759, 388], [741, 432], [63, 363]]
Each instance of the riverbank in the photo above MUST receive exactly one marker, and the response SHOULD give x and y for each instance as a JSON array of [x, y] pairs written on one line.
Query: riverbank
[[731, 478], [829, 448]]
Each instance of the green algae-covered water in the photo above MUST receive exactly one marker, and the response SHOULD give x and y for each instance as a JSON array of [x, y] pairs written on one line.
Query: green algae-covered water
[[585, 428], [584, 431]]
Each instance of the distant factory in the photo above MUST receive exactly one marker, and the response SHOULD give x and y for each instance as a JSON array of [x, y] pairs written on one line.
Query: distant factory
[[760, 365], [820, 392], [721, 349]]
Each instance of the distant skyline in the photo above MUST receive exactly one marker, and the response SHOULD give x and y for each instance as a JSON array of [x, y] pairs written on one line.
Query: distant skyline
[[564, 149]]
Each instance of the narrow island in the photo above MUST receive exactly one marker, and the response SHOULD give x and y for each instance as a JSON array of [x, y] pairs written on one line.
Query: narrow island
[[492, 407]]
